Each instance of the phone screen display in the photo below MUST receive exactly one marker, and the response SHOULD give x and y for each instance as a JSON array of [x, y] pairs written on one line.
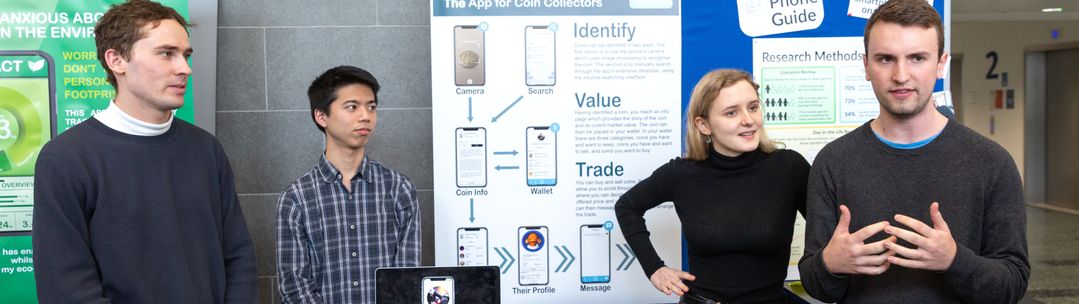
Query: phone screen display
[[539, 56], [533, 255], [437, 290], [468, 55], [595, 254], [541, 157], [471, 157], [472, 247], [26, 124]]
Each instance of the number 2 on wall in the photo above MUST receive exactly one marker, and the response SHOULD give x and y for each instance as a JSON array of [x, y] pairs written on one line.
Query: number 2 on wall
[[992, 55]]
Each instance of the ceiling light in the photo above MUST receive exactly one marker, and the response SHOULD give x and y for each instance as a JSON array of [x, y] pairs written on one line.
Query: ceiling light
[[1052, 10]]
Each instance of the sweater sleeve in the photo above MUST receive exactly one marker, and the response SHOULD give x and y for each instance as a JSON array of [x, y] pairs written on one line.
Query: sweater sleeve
[[799, 178], [65, 270], [997, 273], [408, 217], [241, 276], [630, 209], [295, 265], [822, 216]]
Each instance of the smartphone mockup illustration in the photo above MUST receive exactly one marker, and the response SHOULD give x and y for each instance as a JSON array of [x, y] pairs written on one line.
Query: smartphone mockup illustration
[[539, 56], [595, 254], [471, 157], [468, 58], [533, 255], [472, 247], [27, 122], [541, 157], [437, 290]]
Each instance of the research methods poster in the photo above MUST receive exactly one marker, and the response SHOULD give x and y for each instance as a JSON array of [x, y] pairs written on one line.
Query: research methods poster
[[50, 80], [544, 113], [814, 88]]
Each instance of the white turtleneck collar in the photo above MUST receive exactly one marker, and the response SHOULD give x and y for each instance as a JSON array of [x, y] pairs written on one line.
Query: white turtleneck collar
[[115, 118]]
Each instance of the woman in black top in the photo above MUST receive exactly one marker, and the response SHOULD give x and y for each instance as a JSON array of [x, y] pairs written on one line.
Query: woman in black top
[[735, 193]]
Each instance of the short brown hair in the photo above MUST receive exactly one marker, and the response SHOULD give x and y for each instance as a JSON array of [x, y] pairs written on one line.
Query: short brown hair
[[122, 25], [700, 102], [906, 13]]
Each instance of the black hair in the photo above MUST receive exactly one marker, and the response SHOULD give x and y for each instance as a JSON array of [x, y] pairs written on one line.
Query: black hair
[[323, 90]]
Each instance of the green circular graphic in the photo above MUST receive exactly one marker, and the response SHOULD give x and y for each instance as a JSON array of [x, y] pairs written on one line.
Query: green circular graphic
[[23, 135], [9, 129]]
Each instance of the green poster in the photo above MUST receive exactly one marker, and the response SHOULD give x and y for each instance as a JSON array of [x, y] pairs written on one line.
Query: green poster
[[17, 270], [50, 80]]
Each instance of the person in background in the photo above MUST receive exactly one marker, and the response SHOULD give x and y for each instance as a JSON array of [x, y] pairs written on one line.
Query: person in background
[[735, 193], [350, 214]]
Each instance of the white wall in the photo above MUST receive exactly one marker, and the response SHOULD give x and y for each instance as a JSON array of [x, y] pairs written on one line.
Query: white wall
[[973, 39]]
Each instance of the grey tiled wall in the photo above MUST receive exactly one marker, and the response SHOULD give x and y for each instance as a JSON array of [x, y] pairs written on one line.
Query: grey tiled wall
[[268, 53]]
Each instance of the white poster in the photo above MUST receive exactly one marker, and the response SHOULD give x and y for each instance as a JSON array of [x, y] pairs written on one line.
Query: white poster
[[544, 113]]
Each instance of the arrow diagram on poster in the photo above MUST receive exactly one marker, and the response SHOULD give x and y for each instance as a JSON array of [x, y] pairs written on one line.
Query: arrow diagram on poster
[[514, 152], [495, 119], [470, 109], [500, 167], [564, 251], [507, 259], [471, 210], [629, 257]]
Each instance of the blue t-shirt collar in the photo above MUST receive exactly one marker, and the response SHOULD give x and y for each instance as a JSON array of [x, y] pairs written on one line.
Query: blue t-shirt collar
[[913, 145]]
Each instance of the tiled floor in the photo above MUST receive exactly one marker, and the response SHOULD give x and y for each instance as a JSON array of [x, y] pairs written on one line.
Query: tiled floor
[[1053, 240]]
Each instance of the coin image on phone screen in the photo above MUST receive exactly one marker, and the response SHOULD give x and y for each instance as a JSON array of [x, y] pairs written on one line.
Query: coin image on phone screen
[[438, 290], [468, 60]]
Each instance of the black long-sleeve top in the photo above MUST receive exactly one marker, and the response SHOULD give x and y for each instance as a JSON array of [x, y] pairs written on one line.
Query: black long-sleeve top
[[737, 217]]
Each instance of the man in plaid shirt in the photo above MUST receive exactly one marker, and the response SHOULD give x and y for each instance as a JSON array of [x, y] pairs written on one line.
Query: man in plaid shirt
[[349, 215]]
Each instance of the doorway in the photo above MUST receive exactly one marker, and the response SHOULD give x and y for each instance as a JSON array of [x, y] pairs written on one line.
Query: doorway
[[1062, 128]]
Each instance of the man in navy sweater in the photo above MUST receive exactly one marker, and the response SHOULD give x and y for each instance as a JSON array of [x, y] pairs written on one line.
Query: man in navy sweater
[[133, 205], [913, 207]]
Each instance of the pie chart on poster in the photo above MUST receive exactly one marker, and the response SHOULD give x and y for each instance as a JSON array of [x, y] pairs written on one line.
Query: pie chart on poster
[[21, 133]]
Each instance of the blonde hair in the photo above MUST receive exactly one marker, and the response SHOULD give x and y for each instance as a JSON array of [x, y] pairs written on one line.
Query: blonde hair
[[700, 102]]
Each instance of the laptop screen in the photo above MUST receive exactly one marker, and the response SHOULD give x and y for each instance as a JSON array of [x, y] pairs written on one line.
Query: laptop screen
[[437, 285]]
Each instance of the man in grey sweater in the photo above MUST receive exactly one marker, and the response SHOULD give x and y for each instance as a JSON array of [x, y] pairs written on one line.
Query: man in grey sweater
[[913, 207]]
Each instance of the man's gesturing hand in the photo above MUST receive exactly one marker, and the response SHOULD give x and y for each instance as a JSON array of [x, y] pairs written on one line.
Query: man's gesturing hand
[[847, 253], [935, 246]]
